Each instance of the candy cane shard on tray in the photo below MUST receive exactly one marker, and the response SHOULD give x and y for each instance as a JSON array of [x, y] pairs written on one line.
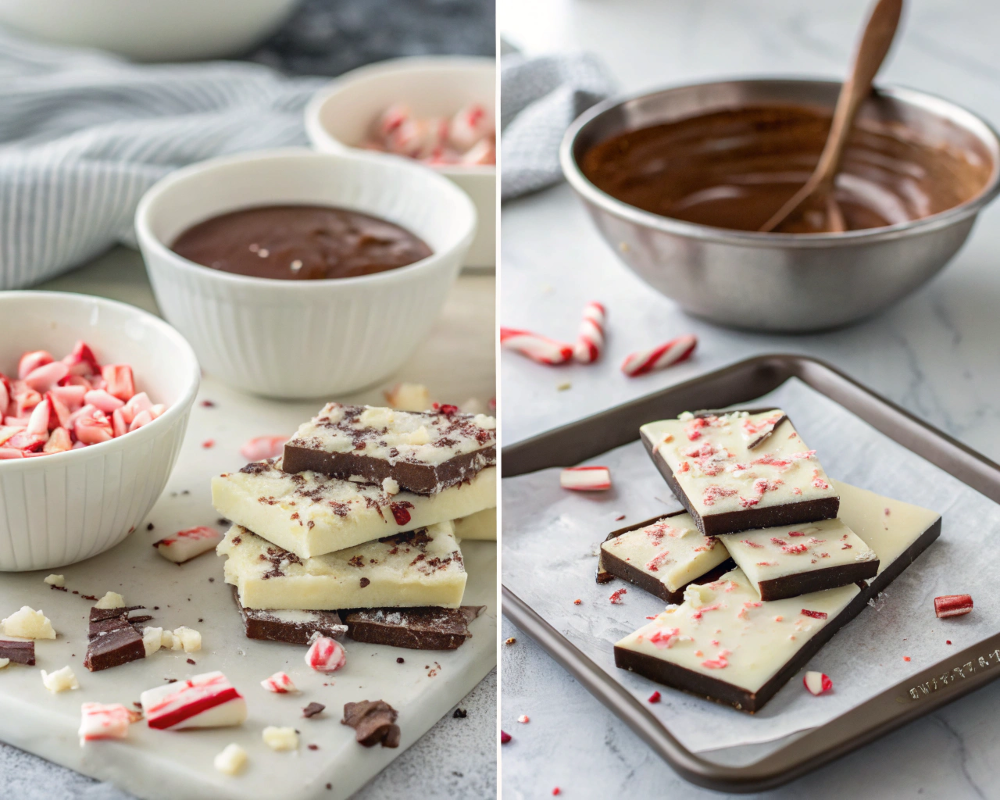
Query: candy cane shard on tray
[[310, 514], [202, 701], [187, 544], [728, 486], [663, 556], [723, 643], [422, 452], [417, 568], [585, 479], [590, 340], [673, 352], [536, 347]]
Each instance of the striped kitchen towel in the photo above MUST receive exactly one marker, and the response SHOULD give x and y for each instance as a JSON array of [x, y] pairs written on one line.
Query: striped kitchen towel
[[540, 97], [84, 134]]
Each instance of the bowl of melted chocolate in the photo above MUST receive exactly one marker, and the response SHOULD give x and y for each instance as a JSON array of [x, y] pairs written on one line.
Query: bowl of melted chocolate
[[296, 274], [680, 181]]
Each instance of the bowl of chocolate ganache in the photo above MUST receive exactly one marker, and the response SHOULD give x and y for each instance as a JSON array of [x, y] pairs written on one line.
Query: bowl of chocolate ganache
[[679, 181], [296, 274]]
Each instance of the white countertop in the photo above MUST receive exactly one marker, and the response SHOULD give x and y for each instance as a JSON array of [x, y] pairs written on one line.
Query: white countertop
[[935, 353], [457, 757]]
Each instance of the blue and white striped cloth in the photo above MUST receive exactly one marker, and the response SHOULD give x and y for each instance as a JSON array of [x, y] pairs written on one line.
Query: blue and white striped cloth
[[84, 134]]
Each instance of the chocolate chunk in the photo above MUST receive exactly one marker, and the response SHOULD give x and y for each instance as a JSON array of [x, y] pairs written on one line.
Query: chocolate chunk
[[17, 651], [313, 709], [460, 713], [426, 628], [113, 638], [373, 721], [293, 627]]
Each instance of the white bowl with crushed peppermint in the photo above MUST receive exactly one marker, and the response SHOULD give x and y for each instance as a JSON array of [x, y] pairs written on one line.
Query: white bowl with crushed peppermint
[[94, 400], [438, 110]]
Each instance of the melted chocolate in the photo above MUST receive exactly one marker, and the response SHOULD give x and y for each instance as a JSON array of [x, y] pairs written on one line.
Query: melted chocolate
[[300, 243], [734, 169]]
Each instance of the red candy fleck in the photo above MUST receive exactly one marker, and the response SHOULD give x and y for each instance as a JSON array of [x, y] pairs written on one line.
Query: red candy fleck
[[906, 658], [505, 737], [261, 447], [446, 409], [616, 597], [557, 790], [654, 697], [577, 602], [952, 605], [208, 443], [400, 513], [814, 614]]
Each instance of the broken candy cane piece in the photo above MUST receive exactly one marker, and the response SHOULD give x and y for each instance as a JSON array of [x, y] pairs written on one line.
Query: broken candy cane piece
[[31, 361], [407, 397], [59, 442], [280, 738], [43, 378], [817, 682], [279, 683], [204, 701], [585, 479], [590, 341], [28, 624], [103, 722], [673, 352], [140, 419], [469, 126], [537, 348], [187, 544], [93, 429], [231, 760], [60, 681], [101, 399], [82, 361], [118, 381], [263, 447], [505, 737], [325, 655], [952, 605]]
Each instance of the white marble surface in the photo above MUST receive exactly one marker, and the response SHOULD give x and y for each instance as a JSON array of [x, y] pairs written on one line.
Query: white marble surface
[[457, 757], [935, 353]]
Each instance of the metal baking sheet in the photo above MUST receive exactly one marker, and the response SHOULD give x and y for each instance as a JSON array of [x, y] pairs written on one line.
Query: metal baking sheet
[[962, 672]]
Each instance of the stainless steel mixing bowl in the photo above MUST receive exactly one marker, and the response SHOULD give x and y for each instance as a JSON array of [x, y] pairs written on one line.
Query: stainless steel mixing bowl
[[777, 281]]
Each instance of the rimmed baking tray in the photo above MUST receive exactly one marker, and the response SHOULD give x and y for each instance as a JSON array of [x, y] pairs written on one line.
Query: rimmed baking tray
[[946, 681]]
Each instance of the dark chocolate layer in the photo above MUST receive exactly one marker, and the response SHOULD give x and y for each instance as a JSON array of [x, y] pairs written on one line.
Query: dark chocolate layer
[[114, 638], [428, 628], [259, 624], [817, 580], [416, 478], [17, 651]]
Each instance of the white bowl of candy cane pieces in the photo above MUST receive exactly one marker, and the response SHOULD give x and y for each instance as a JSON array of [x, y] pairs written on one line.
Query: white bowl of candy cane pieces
[[439, 111], [94, 402]]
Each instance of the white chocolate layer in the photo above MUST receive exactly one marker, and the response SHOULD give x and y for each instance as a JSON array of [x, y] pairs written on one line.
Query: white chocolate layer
[[479, 526], [423, 437], [724, 631], [671, 550], [712, 463], [772, 553], [310, 514], [421, 570]]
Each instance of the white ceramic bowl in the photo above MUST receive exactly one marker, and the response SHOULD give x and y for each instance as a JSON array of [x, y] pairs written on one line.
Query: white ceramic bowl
[[339, 116], [171, 30], [59, 509], [304, 339]]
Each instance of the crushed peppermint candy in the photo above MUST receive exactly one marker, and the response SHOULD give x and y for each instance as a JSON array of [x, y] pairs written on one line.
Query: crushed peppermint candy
[[817, 683], [616, 596]]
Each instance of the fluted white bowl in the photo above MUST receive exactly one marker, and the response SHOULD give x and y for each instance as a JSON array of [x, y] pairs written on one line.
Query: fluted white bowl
[[340, 115], [59, 509], [315, 338]]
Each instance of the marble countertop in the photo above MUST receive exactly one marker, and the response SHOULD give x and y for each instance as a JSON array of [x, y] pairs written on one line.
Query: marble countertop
[[935, 353]]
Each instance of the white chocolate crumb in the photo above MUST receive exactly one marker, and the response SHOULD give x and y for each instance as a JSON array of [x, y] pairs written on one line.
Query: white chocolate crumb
[[4, 662], [186, 639], [110, 600], [564, 387], [167, 641], [28, 624], [152, 640], [281, 738], [390, 486], [231, 760], [409, 397], [60, 681], [56, 580]]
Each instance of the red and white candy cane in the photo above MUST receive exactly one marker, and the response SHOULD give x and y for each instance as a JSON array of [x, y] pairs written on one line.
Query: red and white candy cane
[[261, 447], [817, 683], [103, 722], [673, 352], [585, 479], [325, 655], [279, 683], [537, 348], [590, 342], [952, 605]]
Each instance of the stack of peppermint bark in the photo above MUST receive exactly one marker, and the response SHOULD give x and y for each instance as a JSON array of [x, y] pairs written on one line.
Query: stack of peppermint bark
[[356, 528], [769, 561]]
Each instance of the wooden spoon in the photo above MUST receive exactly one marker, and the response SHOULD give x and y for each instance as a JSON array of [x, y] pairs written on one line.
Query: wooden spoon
[[818, 190]]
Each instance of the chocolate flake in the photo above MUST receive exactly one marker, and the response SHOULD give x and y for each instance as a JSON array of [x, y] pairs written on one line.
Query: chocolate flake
[[373, 722], [312, 710]]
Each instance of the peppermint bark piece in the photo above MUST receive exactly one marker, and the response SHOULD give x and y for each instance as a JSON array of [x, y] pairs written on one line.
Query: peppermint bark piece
[[310, 514], [798, 559], [413, 628], [422, 452], [740, 470], [419, 568], [663, 555]]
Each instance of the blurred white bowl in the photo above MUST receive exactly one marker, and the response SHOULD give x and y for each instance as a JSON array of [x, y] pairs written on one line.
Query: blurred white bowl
[[63, 508], [168, 30], [315, 338], [339, 117]]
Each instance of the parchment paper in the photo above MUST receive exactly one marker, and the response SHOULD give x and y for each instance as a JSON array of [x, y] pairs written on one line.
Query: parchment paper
[[551, 538]]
